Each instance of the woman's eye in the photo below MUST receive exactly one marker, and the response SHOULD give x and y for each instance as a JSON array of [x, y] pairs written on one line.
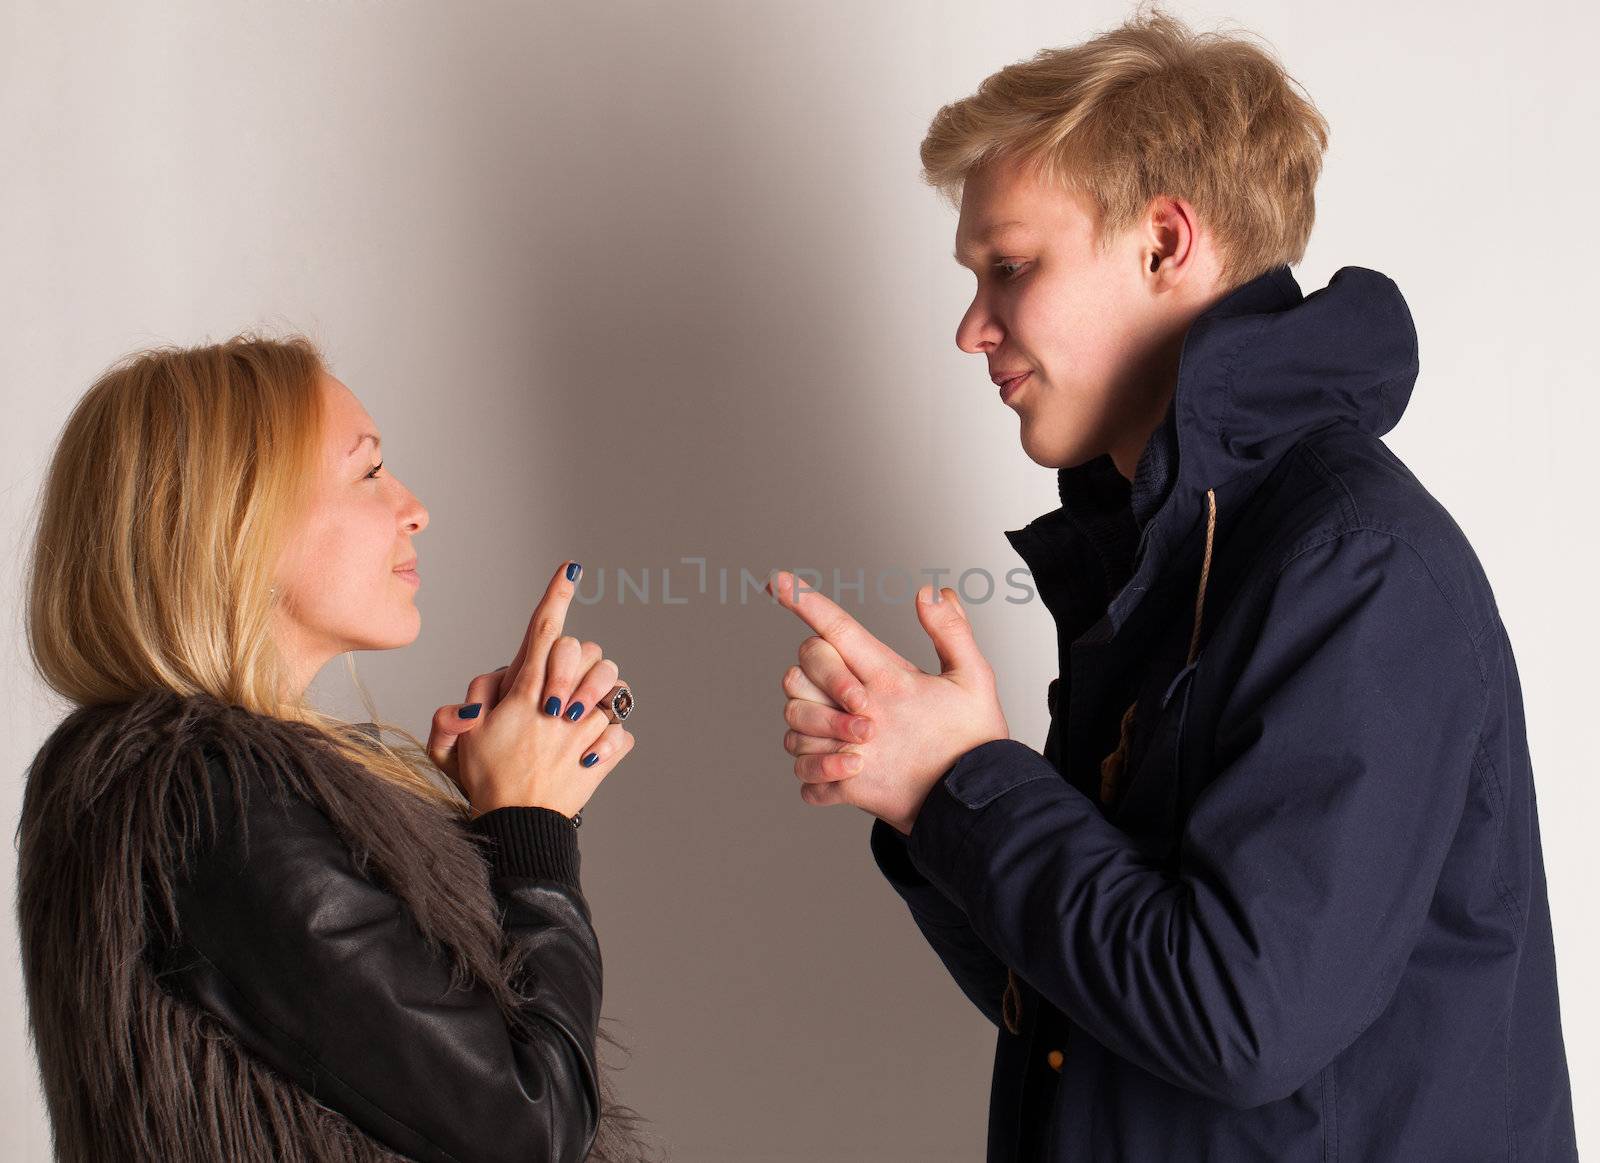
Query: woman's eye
[[1009, 269], [374, 471]]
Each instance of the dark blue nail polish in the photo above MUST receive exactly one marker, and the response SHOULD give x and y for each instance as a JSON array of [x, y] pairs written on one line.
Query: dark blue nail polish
[[552, 706], [575, 712], [573, 570], [590, 759], [470, 711]]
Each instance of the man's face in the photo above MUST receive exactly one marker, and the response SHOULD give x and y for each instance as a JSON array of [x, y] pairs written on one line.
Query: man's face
[[1085, 328]]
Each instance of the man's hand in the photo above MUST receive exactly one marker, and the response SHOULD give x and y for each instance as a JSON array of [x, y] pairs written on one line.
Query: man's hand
[[904, 728]]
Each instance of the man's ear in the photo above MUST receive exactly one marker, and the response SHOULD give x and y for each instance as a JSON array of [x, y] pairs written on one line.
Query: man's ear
[[1168, 243]]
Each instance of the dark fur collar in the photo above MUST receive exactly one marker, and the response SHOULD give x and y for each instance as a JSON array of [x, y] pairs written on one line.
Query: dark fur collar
[[131, 1072]]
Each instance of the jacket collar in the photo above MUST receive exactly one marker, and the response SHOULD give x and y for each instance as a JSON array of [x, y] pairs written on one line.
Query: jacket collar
[[1260, 369]]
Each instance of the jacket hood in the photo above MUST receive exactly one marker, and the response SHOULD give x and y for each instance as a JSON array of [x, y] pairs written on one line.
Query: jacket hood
[[1265, 366], [1260, 369]]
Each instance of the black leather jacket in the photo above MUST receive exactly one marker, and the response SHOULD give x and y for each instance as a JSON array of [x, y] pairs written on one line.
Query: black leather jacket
[[323, 974]]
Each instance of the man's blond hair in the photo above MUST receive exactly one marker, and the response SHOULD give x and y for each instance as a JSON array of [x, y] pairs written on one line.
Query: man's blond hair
[[1152, 108]]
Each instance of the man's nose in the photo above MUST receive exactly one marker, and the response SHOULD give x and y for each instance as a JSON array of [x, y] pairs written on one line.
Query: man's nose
[[978, 331]]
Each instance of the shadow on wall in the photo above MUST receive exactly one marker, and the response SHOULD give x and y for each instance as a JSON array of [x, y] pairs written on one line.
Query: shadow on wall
[[695, 216]]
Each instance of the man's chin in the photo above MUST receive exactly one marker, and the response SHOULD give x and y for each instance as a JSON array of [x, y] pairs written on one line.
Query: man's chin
[[1046, 453]]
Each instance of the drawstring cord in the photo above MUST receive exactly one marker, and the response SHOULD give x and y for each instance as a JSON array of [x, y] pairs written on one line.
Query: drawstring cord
[[1111, 766]]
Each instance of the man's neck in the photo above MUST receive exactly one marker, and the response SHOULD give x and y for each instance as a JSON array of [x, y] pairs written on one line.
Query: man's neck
[[1136, 437]]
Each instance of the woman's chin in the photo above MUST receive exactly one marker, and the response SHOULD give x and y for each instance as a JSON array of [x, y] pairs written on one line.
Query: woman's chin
[[402, 630]]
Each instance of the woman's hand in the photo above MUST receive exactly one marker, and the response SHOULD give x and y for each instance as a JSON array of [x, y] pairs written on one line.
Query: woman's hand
[[524, 748], [449, 724]]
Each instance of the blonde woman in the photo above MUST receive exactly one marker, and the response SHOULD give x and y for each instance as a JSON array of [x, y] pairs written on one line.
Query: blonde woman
[[251, 931]]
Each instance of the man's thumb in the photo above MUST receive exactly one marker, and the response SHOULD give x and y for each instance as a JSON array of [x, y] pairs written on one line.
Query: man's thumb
[[946, 623]]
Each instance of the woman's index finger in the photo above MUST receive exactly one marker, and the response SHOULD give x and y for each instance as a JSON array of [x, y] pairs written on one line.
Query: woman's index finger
[[548, 622]]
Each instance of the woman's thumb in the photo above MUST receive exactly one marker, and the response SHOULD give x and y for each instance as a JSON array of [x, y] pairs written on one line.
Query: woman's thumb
[[450, 722]]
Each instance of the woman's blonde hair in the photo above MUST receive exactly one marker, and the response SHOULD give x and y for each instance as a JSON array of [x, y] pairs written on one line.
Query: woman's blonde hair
[[168, 499], [1151, 108], [164, 508]]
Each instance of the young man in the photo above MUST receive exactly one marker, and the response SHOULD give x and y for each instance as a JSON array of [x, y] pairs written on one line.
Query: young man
[[1274, 890]]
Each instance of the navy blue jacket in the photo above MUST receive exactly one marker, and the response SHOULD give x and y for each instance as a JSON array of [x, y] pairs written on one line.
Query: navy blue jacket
[[1310, 921]]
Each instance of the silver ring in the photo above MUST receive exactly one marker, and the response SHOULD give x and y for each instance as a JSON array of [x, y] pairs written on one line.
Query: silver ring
[[618, 703]]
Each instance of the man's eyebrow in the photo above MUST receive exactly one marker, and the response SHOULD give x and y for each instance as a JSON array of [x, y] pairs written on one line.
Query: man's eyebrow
[[988, 232], [372, 436]]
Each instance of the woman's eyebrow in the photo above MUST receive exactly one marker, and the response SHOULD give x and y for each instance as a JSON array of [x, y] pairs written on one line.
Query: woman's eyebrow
[[372, 436]]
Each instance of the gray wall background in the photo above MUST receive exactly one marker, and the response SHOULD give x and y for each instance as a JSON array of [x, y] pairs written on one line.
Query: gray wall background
[[636, 282]]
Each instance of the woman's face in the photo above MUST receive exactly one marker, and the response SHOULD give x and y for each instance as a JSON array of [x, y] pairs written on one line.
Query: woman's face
[[339, 582]]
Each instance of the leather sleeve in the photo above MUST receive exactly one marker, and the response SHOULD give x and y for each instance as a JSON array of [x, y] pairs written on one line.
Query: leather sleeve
[[324, 975]]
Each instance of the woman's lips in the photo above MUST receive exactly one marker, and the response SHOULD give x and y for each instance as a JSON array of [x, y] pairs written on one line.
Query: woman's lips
[[409, 575], [1008, 388]]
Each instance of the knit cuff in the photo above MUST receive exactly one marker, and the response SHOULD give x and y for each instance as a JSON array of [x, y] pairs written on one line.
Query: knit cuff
[[533, 842]]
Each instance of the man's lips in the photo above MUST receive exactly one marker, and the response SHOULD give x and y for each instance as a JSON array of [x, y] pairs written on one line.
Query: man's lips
[[1010, 383]]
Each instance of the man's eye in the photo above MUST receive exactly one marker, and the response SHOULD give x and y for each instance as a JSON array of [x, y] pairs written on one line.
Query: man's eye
[[1009, 269], [375, 468]]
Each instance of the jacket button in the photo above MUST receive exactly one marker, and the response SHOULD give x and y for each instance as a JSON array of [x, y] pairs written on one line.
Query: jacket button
[[1055, 1058]]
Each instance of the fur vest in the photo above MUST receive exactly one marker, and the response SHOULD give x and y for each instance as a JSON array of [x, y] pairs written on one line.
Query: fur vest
[[130, 1070]]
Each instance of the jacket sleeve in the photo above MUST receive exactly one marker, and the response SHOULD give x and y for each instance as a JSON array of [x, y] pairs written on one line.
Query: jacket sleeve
[[324, 975], [1342, 757], [973, 965]]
